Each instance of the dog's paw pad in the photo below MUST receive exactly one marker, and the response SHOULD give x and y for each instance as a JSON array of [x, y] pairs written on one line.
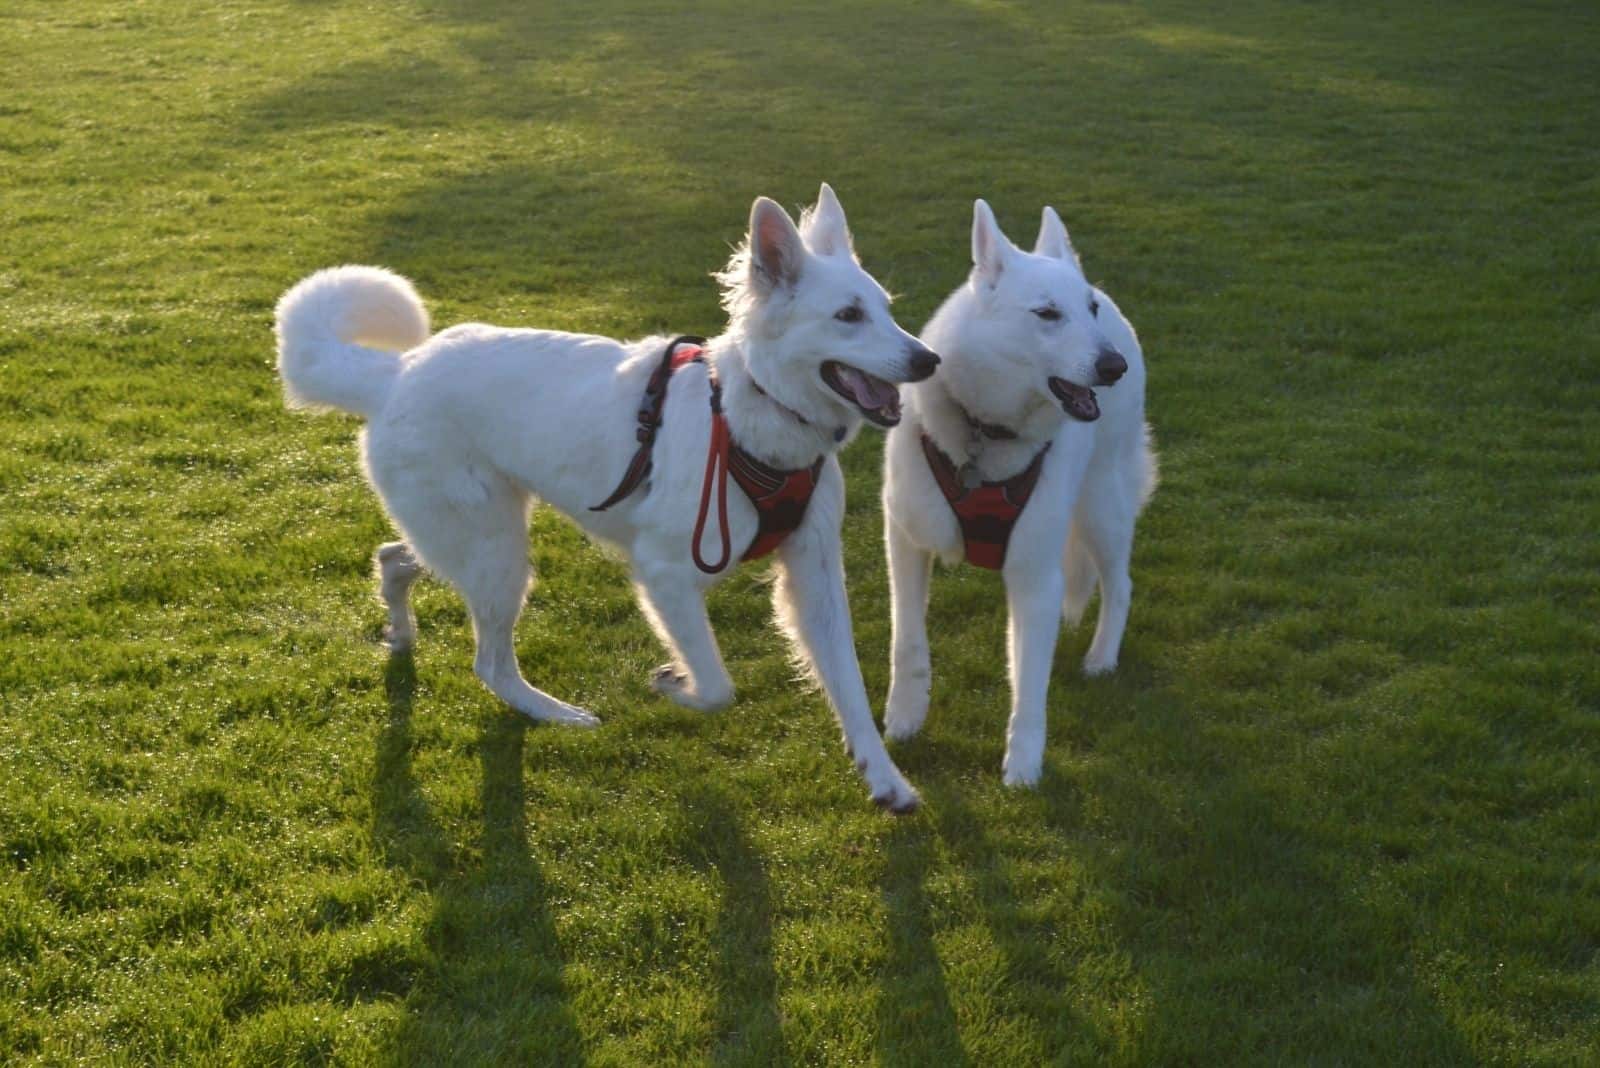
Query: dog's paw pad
[[675, 686], [668, 681]]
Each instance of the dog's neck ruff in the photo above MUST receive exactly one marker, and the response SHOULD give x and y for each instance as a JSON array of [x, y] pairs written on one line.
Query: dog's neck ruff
[[978, 431], [977, 447], [986, 511], [837, 433], [779, 497]]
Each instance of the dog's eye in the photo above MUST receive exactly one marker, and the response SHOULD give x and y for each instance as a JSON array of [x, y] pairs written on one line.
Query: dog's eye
[[1049, 313], [1094, 308], [852, 314]]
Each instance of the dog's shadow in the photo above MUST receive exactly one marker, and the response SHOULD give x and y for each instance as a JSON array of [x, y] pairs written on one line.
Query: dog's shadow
[[492, 928], [748, 1024], [1167, 847], [916, 1022]]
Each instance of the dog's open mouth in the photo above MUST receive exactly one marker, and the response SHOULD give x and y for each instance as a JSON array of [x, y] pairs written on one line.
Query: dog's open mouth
[[1077, 401], [878, 400]]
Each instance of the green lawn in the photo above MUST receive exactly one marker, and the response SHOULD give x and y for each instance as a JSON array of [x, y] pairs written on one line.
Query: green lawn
[[1339, 805]]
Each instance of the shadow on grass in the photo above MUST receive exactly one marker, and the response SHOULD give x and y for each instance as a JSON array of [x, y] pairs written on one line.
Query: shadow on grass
[[1029, 945], [1203, 927], [403, 825], [495, 992], [749, 1026], [732, 98], [916, 1023]]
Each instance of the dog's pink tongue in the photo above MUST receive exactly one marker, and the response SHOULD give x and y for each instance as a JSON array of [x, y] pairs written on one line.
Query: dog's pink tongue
[[870, 392]]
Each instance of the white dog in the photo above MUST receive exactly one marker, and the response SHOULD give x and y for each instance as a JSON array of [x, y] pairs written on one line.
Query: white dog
[[467, 428], [1010, 459]]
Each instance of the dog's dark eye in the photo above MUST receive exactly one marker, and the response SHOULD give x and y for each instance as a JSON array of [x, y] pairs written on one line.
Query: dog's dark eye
[[1049, 313], [852, 314], [1094, 308]]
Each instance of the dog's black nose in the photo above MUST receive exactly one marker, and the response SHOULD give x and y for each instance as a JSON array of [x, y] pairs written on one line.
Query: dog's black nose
[[923, 363], [1110, 366]]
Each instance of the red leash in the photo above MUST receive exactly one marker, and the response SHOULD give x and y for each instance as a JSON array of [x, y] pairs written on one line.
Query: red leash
[[716, 464]]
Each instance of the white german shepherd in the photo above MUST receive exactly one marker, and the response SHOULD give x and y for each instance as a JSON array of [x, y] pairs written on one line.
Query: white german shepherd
[[1012, 460], [466, 429]]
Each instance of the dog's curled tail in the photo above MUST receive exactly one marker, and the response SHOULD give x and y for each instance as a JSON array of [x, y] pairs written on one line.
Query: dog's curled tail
[[340, 335]]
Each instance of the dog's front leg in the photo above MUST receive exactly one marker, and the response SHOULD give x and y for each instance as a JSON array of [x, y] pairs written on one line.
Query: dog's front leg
[[810, 601], [909, 669], [1034, 598], [673, 603]]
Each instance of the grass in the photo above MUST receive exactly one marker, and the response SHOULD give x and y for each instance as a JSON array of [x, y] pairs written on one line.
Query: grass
[[1338, 806]]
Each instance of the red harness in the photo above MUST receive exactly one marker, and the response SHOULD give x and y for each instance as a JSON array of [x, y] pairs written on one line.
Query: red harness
[[988, 511], [779, 497]]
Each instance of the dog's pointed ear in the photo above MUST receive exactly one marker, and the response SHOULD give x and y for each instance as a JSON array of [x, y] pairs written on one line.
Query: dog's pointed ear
[[1053, 240], [991, 248], [824, 227], [776, 251]]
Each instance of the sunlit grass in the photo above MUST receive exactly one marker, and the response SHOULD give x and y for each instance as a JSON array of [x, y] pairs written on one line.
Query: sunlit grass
[[1338, 805]]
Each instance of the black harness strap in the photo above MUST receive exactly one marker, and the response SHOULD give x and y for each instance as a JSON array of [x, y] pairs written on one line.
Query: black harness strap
[[655, 398]]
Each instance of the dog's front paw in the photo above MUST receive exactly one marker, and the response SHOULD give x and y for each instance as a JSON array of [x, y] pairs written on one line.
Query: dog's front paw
[[907, 707], [900, 799], [1022, 769], [889, 789], [905, 714], [560, 713], [572, 716], [1099, 663], [400, 638], [674, 685]]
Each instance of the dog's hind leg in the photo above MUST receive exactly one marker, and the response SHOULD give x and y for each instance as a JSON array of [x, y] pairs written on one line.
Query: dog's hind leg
[[475, 537], [398, 567], [1103, 526], [494, 615], [1081, 576], [909, 669], [675, 607]]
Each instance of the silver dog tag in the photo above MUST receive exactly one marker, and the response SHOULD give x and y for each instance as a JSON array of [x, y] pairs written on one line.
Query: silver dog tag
[[970, 479]]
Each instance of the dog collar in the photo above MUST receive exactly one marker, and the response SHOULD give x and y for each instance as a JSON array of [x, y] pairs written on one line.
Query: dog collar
[[992, 431], [979, 428]]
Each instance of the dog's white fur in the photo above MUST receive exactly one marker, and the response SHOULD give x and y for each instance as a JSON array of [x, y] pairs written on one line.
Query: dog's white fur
[[466, 429], [1077, 529]]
